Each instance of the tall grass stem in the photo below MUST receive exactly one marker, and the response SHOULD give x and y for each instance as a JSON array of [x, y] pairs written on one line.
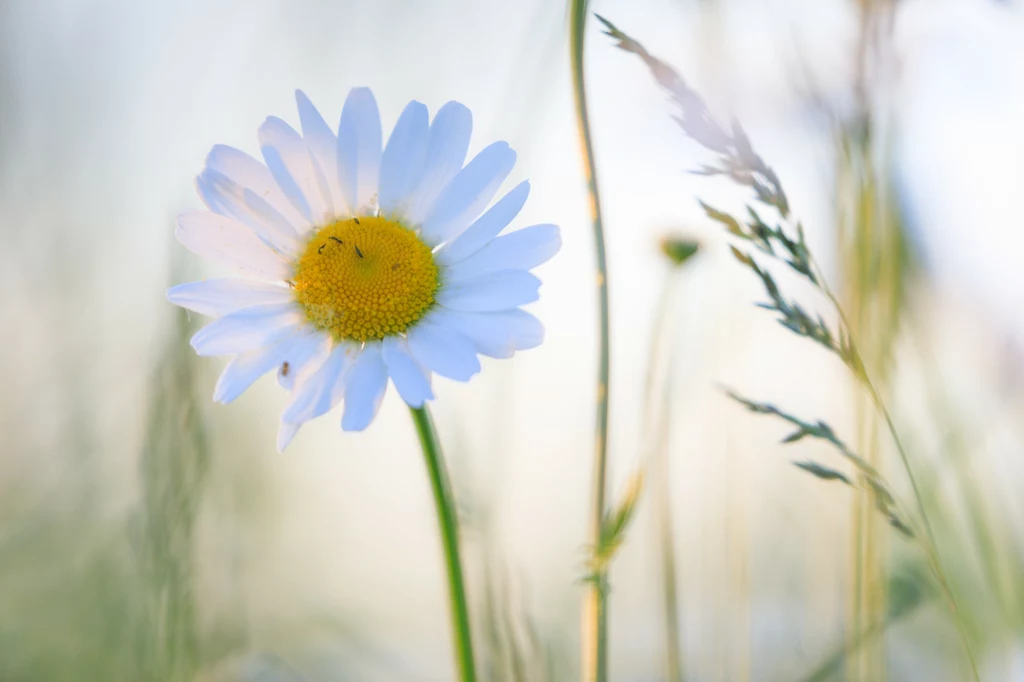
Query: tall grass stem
[[661, 362], [929, 544], [594, 616]]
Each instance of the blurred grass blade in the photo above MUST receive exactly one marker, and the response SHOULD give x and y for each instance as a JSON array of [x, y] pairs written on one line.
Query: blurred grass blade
[[174, 462]]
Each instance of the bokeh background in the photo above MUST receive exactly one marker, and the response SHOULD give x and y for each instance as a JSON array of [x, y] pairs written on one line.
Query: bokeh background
[[148, 534]]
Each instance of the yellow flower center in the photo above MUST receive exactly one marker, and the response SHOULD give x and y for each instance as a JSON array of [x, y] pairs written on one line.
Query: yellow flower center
[[365, 278]]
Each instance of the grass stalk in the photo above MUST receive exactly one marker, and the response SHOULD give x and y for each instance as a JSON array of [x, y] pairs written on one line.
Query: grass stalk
[[928, 543], [594, 617], [447, 517], [873, 293], [874, 289], [657, 412]]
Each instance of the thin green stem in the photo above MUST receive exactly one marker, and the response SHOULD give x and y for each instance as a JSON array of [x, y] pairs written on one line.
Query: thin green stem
[[594, 616], [931, 547], [929, 544], [447, 517], [661, 362]]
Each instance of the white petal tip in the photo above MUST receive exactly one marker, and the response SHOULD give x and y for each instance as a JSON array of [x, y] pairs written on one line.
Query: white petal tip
[[179, 295], [353, 426], [285, 434], [453, 106], [468, 376], [222, 395], [417, 404], [199, 344]]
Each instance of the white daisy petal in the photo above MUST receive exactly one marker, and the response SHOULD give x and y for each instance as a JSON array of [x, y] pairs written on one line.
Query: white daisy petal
[[308, 353], [253, 175], [359, 150], [229, 242], [243, 370], [296, 170], [323, 388], [404, 159], [270, 215], [418, 205], [468, 193], [322, 141], [520, 250], [367, 384], [485, 228], [411, 381], [492, 292], [285, 433], [224, 196], [216, 297], [247, 329], [443, 350], [497, 335], [446, 152]]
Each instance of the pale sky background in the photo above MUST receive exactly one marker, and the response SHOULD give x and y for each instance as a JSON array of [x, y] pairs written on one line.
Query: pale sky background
[[107, 109]]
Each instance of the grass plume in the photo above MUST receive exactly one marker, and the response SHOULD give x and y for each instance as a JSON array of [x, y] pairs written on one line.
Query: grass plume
[[785, 243]]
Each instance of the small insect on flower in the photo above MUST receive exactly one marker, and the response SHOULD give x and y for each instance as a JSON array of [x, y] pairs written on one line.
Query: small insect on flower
[[427, 285]]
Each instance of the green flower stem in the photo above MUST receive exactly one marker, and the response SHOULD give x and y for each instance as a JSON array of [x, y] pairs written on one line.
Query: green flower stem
[[594, 625], [447, 518]]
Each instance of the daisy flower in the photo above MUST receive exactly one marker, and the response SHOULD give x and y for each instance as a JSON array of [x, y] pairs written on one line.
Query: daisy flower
[[360, 263]]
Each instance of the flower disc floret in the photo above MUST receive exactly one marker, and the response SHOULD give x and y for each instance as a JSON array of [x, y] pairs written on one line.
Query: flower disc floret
[[365, 279]]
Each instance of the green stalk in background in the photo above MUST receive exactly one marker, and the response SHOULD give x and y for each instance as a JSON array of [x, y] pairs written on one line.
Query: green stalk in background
[[174, 467], [866, 298], [658, 407], [447, 517], [874, 295], [660, 467], [594, 616], [928, 543], [872, 252], [965, 511]]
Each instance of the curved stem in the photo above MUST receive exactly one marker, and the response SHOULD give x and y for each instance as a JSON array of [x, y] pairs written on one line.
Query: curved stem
[[447, 518], [657, 416], [928, 544], [931, 548], [594, 617]]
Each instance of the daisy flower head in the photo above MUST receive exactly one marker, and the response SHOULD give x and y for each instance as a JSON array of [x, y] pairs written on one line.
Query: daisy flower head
[[360, 263]]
